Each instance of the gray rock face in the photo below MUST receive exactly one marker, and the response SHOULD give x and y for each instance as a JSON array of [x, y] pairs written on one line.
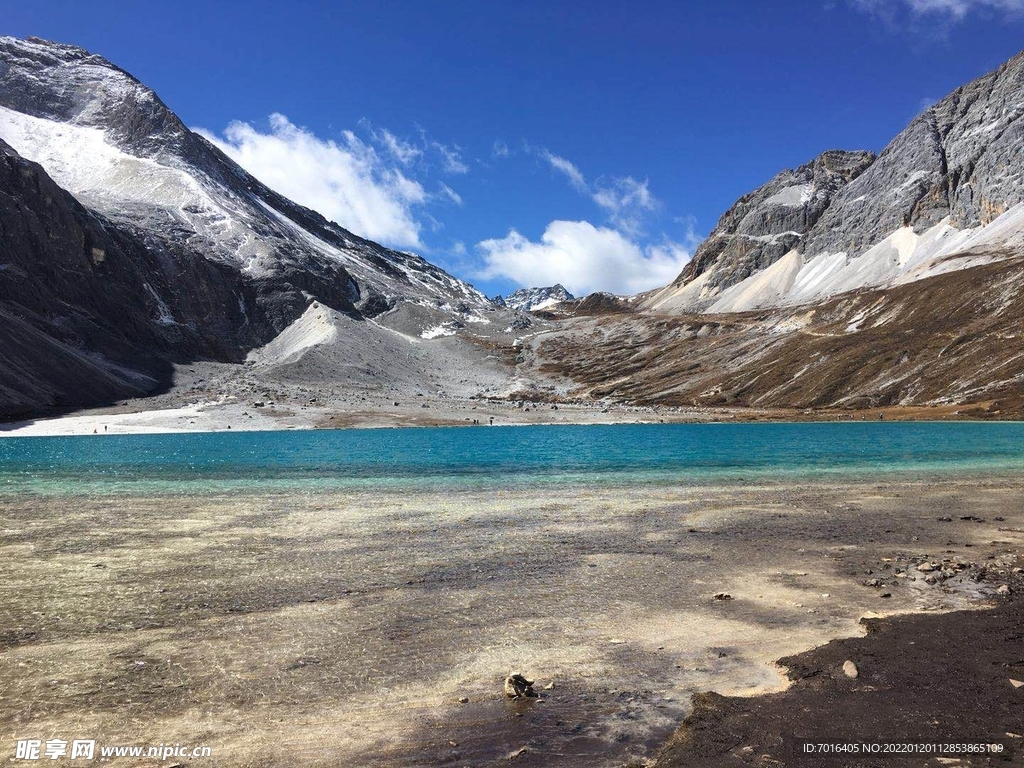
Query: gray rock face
[[69, 84], [526, 299], [764, 225], [963, 158]]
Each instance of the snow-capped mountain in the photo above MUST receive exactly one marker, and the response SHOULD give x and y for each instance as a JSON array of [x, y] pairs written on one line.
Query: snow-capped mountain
[[528, 299], [947, 187], [111, 142], [173, 251]]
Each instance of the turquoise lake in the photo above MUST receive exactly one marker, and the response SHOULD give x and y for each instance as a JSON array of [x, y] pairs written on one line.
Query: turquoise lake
[[499, 456]]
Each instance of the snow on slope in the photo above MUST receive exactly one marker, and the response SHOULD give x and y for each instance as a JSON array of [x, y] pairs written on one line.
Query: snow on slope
[[904, 256], [102, 176], [110, 141], [768, 287]]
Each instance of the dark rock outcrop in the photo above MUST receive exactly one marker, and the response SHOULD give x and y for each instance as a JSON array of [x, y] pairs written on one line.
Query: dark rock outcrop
[[79, 315]]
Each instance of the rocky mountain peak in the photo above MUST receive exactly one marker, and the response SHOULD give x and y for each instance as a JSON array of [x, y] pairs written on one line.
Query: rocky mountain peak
[[528, 299], [765, 224], [962, 158], [851, 220], [110, 141], [65, 83]]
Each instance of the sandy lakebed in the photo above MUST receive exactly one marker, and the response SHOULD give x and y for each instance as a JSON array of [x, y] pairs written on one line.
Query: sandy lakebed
[[374, 628]]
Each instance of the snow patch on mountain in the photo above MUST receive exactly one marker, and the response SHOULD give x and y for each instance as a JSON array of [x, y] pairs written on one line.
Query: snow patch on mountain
[[792, 197], [436, 332]]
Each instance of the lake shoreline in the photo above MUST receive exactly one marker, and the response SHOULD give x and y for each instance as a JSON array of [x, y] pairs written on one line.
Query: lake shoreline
[[173, 413]]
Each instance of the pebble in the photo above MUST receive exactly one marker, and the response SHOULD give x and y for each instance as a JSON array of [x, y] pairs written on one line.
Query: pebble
[[1003, 590], [464, 700], [722, 596], [850, 669], [1016, 683], [925, 567]]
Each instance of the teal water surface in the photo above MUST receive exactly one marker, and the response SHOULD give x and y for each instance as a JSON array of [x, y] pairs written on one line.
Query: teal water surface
[[481, 456]]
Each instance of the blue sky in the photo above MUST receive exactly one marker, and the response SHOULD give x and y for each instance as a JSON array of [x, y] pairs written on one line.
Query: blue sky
[[532, 142]]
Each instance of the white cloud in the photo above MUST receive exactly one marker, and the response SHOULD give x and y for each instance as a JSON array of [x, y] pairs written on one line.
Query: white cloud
[[500, 149], [451, 157], [450, 193], [583, 258], [614, 257], [954, 10], [626, 201], [960, 8], [568, 169], [403, 151], [346, 180]]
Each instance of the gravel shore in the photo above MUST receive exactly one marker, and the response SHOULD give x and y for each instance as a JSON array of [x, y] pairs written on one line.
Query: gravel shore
[[376, 629]]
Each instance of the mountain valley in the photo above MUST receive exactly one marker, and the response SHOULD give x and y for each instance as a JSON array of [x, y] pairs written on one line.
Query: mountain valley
[[142, 270]]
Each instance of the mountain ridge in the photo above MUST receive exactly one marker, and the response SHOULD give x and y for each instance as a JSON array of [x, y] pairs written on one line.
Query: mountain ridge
[[931, 193]]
